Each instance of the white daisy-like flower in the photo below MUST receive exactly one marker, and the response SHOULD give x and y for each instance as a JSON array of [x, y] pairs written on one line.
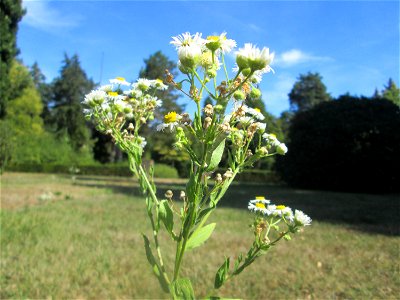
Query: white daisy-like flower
[[261, 126], [95, 97], [189, 48], [159, 85], [119, 81], [252, 57], [246, 120], [283, 211], [114, 96], [142, 84], [260, 204], [220, 42], [106, 88], [301, 219], [271, 139], [256, 112], [281, 149], [141, 141], [171, 120]]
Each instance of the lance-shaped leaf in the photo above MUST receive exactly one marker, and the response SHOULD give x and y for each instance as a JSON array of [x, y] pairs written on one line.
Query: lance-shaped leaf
[[199, 236], [152, 261], [222, 274], [182, 289], [166, 215], [216, 156]]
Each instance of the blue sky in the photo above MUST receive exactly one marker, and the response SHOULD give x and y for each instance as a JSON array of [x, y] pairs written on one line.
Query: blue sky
[[353, 45]]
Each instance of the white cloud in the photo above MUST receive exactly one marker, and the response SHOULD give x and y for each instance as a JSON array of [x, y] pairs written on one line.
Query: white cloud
[[42, 15], [295, 56]]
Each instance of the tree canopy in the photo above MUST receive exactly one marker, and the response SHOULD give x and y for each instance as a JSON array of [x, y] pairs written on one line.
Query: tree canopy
[[307, 92]]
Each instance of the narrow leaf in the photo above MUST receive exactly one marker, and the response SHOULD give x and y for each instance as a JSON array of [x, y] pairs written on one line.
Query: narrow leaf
[[222, 274], [182, 289], [200, 236], [152, 261], [166, 215], [216, 156]]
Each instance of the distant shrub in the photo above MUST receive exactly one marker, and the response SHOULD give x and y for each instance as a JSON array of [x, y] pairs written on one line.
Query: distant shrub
[[351, 144], [117, 169]]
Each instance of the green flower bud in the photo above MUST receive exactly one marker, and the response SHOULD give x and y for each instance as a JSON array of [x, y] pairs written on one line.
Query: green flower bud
[[242, 62], [255, 93], [246, 72], [218, 108], [281, 149], [211, 73], [239, 95]]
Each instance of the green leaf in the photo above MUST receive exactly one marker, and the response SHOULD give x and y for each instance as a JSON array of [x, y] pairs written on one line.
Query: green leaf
[[222, 274], [166, 215], [216, 156], [199, 236], [152, 261], [149, 205], [181, 289]]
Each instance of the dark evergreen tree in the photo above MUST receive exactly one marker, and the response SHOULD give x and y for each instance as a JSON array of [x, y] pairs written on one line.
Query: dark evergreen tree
[[308, 91], [69, 89], [391, 92], [11, 13], [44, 90]]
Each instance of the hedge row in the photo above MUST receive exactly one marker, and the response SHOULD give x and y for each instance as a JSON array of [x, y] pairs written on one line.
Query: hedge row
[[160, 170], [120, 169]]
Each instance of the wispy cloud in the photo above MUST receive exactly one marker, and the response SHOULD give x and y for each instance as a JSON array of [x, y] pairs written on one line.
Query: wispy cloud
[[44, 16], [295, 57]]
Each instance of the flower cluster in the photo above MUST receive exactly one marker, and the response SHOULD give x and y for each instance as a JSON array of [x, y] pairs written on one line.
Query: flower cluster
[[270, 215], [113, 105]]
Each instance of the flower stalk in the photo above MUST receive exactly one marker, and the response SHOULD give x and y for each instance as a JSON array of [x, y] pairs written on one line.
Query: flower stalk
[[121, 108]]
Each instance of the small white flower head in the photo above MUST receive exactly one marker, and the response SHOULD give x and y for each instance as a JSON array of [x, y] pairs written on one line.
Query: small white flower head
[[114, 96], [281, 149], [245, 121], [141, 141], [261, 127], [220, 42], [260, 204], [106, 88], [252, 57], [189, 48], [159, 85], [283, 211], [95, 98], [301, 219], [119, 81], [256, 112], [271, 139], [171, 120], [142, 84]]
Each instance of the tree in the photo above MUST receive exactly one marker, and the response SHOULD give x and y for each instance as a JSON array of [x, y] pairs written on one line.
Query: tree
[[159, 142], [350, 144], [44, 90], [11, 13], [69, 89], [307, 92], [391, 92]]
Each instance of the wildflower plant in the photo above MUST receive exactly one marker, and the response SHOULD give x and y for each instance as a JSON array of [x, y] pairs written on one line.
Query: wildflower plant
[[229, 126]]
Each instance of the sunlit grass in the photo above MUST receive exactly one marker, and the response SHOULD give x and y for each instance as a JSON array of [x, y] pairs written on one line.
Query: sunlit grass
[[86, 243]]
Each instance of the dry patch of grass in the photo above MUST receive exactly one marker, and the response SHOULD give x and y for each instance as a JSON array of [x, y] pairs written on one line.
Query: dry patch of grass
[[89, 245]]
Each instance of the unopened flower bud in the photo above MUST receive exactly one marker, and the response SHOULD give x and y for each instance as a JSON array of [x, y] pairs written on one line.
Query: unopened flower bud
[[239, 95], [218, 108], [207, 122], [228, 174], [249, 153], [130, 127], [108, 131], [218, 178], [262, 151], [211, 73], [168, 194], [143, 120], [182, 196], [208, 109], [246, 72], [255, 93]]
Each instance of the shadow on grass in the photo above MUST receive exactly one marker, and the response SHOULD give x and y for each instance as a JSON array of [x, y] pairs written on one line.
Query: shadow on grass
[[364, 212]]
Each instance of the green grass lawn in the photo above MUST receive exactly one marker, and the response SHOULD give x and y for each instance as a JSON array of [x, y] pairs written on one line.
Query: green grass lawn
[[84, 241]]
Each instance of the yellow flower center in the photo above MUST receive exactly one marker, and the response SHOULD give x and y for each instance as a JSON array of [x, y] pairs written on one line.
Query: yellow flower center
[[273, 135], [112, 94], [260, 205], [260, 198], [257, 110], [280, 207], [120, 78], [159, 80], [171, 117], [213, 38]]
